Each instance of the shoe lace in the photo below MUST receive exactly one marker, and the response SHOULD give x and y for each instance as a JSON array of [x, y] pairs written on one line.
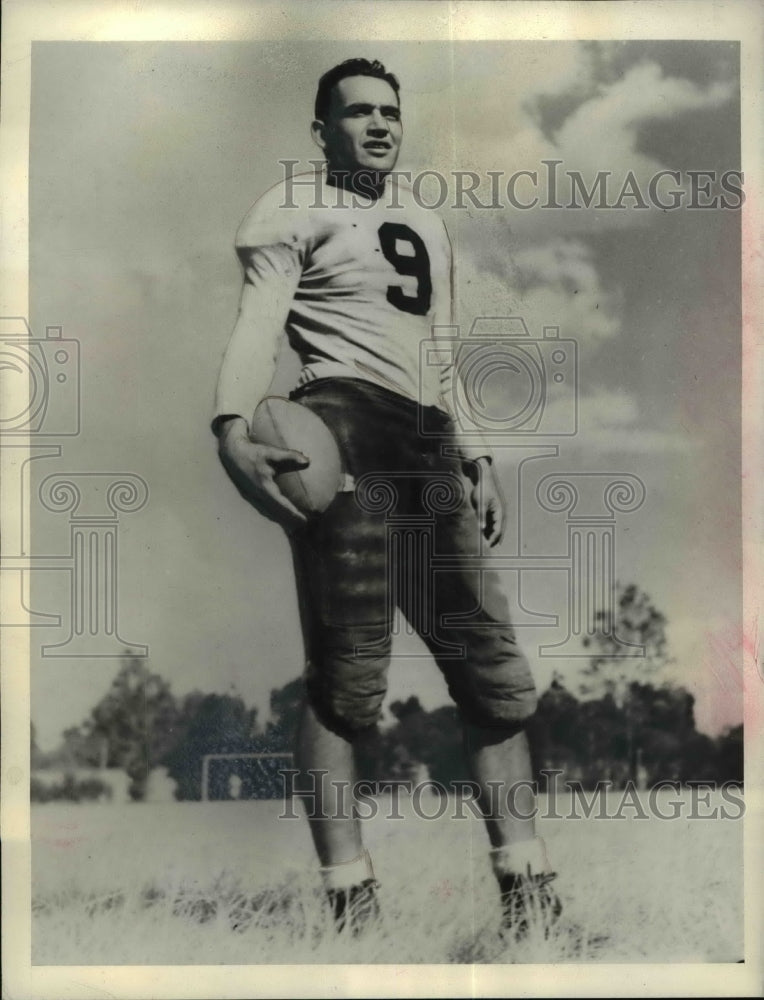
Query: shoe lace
[[543, 880]]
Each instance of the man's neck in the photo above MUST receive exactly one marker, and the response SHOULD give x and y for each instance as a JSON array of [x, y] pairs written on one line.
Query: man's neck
[[367, 183]]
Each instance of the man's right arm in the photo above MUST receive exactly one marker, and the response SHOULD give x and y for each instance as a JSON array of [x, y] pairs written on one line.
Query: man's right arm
[[271, 275]]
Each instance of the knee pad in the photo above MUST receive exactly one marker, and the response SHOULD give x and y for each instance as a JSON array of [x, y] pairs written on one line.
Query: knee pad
[[492, 684], [346, 677], [496, 710]]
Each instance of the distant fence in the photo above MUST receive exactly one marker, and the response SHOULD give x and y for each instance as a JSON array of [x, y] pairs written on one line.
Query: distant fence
[[79, 784]]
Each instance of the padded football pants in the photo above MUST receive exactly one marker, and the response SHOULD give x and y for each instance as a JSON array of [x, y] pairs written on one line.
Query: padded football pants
[[405, 536]]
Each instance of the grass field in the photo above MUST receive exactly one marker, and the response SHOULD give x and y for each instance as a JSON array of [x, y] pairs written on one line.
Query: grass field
[[228, 882]]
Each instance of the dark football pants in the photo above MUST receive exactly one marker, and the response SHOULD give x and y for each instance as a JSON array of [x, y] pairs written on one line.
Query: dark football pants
[[400, 539]]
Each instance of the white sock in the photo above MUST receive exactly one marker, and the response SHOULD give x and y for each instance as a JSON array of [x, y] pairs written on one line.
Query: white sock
[[525, 857], [348, 873]]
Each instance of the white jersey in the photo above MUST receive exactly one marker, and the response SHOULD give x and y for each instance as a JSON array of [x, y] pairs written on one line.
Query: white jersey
[[359, 285]]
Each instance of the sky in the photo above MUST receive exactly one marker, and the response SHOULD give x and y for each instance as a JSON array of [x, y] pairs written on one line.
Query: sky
[[144, 158]]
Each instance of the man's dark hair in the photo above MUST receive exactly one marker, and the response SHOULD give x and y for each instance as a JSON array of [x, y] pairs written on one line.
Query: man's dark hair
[[351, 67]]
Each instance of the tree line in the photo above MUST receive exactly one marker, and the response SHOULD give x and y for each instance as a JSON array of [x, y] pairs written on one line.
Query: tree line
[[614, 727], [649, 737]]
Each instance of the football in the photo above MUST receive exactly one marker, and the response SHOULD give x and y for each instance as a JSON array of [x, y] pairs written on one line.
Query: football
[[284, 424]]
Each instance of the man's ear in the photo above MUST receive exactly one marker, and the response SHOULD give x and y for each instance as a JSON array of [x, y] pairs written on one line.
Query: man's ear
[[318, 133]]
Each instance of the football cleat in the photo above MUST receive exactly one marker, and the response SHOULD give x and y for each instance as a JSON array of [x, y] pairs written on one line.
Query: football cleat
[[354, 909], [528, 901]]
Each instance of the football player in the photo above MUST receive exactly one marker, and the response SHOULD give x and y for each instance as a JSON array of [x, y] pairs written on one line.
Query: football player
[[358, 275]]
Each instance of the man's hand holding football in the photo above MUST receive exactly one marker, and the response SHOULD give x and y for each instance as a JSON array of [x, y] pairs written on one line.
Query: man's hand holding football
[[252, 467]]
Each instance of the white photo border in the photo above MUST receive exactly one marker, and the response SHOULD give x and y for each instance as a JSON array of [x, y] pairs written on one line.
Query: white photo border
[[191, 20]]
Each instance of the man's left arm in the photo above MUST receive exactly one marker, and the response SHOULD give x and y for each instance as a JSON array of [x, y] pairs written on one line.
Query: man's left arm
[[477, 459]]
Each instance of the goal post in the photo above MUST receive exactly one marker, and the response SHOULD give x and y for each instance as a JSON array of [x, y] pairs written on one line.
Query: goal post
[[262, 766]]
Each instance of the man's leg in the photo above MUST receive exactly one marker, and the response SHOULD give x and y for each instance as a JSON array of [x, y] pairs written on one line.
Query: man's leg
[[329, 802], [327, 765], [343, 573], [500, 763], [341, 589], [491, 682], [344, 690], [488, 677]]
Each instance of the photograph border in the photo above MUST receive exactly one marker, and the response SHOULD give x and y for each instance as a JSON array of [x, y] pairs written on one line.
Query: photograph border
[[89, 20]]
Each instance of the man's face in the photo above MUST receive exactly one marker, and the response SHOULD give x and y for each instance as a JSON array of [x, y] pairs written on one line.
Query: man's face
[[363, 129]]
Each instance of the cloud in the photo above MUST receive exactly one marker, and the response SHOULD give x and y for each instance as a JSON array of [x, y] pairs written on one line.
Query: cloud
[[600, 424], [709, 658], [602, 133], [559, 284], [550, 284], [541, 264], [588, 120], [599, 118], [611, 421]]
